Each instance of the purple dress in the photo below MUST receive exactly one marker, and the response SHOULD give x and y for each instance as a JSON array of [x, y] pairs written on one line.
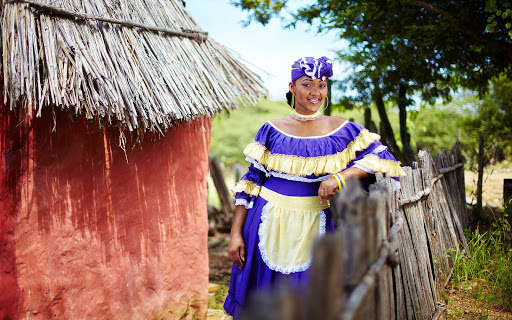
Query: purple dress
[[280, 191]]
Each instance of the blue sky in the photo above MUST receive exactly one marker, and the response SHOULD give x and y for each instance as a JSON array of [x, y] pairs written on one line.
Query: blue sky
[[271, 47]]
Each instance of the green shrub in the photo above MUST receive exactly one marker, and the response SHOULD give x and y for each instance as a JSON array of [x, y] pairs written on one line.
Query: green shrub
[[490, 261]]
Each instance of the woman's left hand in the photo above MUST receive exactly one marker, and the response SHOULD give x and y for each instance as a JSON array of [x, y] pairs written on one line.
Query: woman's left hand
[[327, 189]]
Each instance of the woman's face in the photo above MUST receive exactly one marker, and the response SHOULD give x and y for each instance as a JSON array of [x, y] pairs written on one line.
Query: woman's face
[[309, 94]]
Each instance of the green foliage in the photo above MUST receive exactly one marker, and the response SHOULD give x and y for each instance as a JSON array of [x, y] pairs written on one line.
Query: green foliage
[[501, 16], [495, 112], [263, 10], [491, 114], [437, 128], [232, 132], [490, 261], [430, 45]]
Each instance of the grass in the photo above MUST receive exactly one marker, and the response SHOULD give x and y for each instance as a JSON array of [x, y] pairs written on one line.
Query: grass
[[192, 306], [487, 273], [216, 300]]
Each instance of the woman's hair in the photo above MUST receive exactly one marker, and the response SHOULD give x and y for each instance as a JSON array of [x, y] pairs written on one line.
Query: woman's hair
[[289, 99]]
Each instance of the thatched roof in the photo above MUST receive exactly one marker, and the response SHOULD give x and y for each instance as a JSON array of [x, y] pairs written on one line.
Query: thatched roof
[[87, 57]]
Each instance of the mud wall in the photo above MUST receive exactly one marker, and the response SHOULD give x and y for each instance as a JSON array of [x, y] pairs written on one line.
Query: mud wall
[[84, 234]]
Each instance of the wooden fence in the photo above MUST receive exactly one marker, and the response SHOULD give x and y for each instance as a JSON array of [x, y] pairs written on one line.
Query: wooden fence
[[390, 256]]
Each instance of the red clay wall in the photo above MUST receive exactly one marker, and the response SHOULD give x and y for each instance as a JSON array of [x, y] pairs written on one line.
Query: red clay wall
[[86, 235]]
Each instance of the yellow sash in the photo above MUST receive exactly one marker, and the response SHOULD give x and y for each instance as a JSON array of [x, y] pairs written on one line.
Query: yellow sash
[[290, 202]]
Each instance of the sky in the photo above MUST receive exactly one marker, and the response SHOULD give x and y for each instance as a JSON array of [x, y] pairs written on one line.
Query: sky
[[267, 50]]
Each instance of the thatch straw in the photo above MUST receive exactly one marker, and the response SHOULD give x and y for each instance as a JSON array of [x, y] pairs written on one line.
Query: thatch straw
[[56, 11], [128, 70]]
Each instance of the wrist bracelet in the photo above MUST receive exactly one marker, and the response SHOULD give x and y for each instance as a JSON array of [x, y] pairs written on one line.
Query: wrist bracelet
[[344, 184], [335, 176]]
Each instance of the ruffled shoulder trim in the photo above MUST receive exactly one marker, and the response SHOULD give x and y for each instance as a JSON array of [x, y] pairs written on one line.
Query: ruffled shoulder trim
[[302, 166], [376, 164]]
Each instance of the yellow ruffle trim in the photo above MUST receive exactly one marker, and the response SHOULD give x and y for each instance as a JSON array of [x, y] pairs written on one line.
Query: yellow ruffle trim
[[301, 166], [377, 164], [246, 186]]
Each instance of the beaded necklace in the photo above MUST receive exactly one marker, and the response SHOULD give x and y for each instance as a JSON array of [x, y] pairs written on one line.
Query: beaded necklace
[[306, 117]]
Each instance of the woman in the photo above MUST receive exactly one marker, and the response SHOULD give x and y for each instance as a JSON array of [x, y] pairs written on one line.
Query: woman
[[297, 164]]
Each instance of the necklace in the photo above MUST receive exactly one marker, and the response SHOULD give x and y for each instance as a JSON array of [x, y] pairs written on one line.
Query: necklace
[[306, 117]]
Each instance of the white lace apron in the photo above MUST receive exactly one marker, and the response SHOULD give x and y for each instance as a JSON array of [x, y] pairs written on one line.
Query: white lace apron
[[289, 226]]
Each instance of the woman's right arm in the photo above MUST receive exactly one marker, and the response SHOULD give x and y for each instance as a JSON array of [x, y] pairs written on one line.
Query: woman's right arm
[[236, 247], [246, 191]]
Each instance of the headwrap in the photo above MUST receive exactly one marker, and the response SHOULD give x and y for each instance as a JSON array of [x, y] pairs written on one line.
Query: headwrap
[[320, 68]]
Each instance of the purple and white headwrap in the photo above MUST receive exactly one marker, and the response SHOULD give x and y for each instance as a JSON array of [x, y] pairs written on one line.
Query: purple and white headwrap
[[320, 68]]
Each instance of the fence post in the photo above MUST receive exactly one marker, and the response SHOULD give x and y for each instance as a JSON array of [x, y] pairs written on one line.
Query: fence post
[[228, 207]]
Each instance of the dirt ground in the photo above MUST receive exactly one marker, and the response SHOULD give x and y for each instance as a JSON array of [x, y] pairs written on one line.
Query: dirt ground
[[472, 302], [220, 266], [493, 183], [220, 270]]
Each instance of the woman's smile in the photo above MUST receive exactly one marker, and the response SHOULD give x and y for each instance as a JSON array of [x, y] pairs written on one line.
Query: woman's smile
[[313, 100]]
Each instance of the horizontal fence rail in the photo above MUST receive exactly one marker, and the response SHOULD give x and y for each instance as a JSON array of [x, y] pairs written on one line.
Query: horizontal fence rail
[[390, 257]]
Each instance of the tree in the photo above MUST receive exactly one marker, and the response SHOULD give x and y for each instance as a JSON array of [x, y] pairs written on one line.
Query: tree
[[493, 125], [406, 47], [487, 124]]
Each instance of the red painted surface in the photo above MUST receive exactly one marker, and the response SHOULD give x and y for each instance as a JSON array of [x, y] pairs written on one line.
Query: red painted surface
[[11, 138], [86, 235]]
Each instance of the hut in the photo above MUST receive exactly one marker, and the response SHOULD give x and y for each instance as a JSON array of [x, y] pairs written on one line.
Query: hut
[[105, 111]]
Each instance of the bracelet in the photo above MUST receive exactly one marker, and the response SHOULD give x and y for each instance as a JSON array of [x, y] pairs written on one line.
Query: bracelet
[[335, 176], [342, 179]]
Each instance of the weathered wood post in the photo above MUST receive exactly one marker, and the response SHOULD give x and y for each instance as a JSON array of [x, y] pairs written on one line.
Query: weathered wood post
[[451, 165], [228, 207], [481, 163], [507, 197]]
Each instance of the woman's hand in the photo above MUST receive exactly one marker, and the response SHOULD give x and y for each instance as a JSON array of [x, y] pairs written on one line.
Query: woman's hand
[[327, 189], [236, 250]]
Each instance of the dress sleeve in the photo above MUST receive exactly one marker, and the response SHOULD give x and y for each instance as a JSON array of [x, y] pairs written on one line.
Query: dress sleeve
[[248, 188], [377, 158]]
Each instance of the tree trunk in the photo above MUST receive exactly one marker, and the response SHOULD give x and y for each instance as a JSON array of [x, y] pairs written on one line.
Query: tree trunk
[[481, 164], [404, 134], [327, 110], [368, 122], [367, 117], [386, 129], [499, 155]]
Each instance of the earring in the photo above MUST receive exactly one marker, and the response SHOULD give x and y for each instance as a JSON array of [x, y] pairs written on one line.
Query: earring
[[326, 103], [293, 101]]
